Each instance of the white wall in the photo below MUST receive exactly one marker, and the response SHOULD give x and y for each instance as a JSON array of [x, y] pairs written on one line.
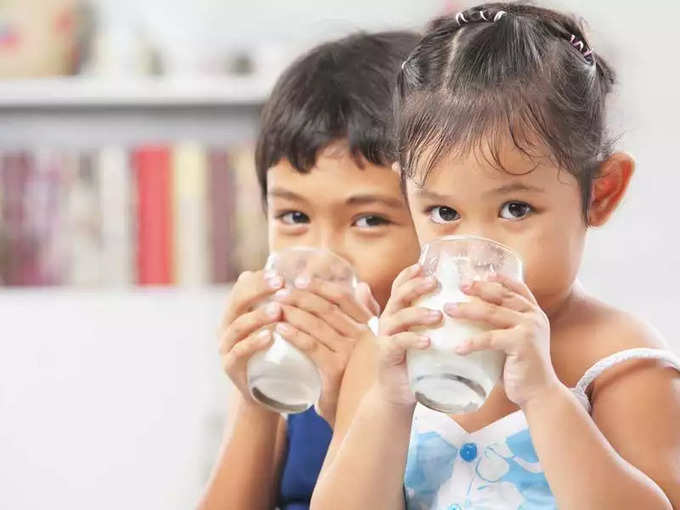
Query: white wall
[[114, 400], [108, 400]]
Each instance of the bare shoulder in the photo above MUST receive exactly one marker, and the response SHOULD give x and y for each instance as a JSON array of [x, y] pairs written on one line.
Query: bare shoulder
[[595, 330], [635, 404]]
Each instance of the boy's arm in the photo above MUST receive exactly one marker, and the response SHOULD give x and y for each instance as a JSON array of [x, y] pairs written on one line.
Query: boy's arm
[[248, 470]]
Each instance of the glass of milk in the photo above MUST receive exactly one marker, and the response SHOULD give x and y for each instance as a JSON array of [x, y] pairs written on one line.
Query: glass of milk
[[440, 378], [282, 377]]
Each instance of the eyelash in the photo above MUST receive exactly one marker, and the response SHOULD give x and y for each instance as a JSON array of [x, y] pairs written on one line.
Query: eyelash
[[382, 221], [282, 215], [529, 210]]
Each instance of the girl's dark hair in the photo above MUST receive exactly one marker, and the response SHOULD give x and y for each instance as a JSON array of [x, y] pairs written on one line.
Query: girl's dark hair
[[340, 89], [504, 71]]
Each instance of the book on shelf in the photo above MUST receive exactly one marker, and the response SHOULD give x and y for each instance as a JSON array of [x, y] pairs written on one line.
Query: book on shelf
[[116, 191], [190, 214], [154, 210], [155, 214]]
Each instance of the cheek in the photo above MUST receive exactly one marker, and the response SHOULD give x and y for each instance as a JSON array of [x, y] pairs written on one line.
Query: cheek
[[379, 264], [277, 240], [551, 270], [426, 230]]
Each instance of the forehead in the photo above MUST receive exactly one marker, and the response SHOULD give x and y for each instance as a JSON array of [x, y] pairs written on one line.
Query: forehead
[[336, 176], [478, 172]]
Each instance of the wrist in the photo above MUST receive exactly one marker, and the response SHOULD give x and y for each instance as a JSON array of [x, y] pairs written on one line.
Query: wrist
[[253, 412], [380, 399], [544, 396]]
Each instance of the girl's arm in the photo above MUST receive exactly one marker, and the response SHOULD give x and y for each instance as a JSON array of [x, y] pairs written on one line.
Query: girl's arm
[[590, 463], [248, 470], [368, 468], [365, 464], [618, 458]]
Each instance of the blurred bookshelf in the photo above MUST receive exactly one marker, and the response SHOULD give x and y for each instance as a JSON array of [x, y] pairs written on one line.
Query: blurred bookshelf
[[170, 92], [126, 183]]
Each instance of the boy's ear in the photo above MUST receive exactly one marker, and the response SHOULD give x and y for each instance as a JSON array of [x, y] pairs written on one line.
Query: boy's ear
[[609, 187]]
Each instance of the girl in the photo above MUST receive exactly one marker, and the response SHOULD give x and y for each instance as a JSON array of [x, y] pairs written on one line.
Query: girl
[[323, 162], [501, 125]]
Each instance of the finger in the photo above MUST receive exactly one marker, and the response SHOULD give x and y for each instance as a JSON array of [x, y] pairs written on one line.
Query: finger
[[365, 297], [481, 311], [393, 348], [325, 310], [338, 294], [250, 289], [243, 350], [498, 294], [248, 323], [315, 327], [406, 274], [514, 285], [496, 340], [297, 338], [410, 291], [409, 318]]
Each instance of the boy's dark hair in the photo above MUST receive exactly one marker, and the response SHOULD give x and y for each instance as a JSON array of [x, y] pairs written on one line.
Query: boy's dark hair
[[339, 90], [504, 71]]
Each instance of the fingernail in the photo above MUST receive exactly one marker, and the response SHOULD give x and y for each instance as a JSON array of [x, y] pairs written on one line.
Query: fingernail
[[428, 283], [423, 341], [434, 315], [282, 294], [272, 309], [451, 308], [265, 334], [302, 282], [284, 328], [466, 287], [275, 282], [461, 348]]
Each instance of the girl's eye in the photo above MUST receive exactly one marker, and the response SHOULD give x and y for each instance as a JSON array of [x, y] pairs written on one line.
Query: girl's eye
[[443, 214], [515, 210], [371, 221], [294, 218]]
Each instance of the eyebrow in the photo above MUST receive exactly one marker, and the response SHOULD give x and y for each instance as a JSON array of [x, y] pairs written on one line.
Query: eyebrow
[[394, 203], [511, 188], [284, 193], [423, 193], [502, 190], [373, 199]]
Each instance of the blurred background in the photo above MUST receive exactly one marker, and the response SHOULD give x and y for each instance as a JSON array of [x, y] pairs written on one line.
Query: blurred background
[[128, 203]]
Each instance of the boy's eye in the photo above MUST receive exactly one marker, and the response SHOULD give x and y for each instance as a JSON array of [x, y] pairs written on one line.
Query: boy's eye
[[442, 214], [371, 221], [515, 210], [294, 218]]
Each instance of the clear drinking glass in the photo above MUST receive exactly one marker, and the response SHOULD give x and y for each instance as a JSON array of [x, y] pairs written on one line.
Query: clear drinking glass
[[282, 377], [440, 378]]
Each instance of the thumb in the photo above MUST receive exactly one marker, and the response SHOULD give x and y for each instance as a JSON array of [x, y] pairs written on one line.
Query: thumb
[[365, 297]]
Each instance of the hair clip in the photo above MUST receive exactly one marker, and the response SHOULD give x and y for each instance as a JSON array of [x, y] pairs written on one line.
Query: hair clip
[[498, 16], [460, 16], [581, 47]]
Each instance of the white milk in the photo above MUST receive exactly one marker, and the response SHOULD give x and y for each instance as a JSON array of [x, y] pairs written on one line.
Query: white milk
[[442, 379], [283, 378]]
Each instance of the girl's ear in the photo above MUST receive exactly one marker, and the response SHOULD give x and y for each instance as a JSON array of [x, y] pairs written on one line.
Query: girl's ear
[[609, 187], [396, 168]]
